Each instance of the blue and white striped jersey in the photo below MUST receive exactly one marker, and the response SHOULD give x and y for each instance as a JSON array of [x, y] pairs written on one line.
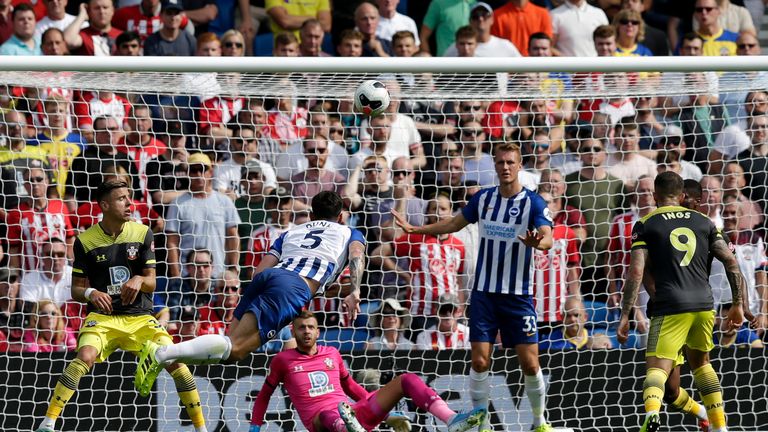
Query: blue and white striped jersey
[[317, 250], [503, 261]]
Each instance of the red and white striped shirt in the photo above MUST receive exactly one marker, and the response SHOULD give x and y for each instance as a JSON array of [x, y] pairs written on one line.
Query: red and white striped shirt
[[260, 242], [435, 266], [432, 339], [218, 111], [92, 105], [620, 241], [288, 126], [29, 229], [550, 282]]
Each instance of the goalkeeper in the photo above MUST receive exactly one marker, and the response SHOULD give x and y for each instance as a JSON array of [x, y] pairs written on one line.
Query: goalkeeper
[[318, 384], [116, 257]]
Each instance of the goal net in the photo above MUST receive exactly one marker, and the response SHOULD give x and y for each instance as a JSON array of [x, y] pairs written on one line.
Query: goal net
[[220, 163]]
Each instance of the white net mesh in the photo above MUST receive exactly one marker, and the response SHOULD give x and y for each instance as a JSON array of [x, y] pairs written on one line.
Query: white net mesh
[[591, 144]]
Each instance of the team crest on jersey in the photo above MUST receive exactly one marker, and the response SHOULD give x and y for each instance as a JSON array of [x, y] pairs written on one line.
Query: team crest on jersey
[[634, 236], [328, 363], [514, 211], [133, 252]]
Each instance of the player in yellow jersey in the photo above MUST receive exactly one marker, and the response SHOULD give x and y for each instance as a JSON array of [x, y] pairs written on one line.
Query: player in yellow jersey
[[114, 272], [682, 243]]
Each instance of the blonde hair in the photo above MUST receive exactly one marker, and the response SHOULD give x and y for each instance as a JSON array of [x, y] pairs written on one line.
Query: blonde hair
[[632, 15], [58, 330]]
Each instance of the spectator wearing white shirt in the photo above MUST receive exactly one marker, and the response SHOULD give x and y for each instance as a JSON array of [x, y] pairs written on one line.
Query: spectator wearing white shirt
[[447, 333], [626, 163], [391, 21], [391, 135], [53, 277], [228, 174], [56, 17], [481, 19], [572, 25]]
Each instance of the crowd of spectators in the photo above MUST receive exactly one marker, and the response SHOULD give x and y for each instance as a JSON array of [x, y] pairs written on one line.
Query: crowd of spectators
[[219, 176]]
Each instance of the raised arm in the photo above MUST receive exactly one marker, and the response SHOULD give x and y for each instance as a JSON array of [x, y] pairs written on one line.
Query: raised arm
[[723, 253], [445, 226]]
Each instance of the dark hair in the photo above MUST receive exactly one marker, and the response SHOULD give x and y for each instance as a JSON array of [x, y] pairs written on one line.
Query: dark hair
[[106, 188], [23, 7], [326, 205], [466, 32], [692, 189], [127, 36], [50, 31], [192, 255], [668, 184], [285, 38], [604, 31], [101, 118], [539, 35], [351, 34], [692, 36], [626, 123]]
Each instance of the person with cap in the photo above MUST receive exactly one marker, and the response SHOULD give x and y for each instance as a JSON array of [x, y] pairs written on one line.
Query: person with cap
[[171, 39], [672, 140], [202, 218], [390, 323], [488, 45], [144, 18], [572, 25], [448, 333]]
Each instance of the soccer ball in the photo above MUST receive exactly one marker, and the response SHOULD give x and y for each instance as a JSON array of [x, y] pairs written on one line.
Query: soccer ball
[[371, 98]]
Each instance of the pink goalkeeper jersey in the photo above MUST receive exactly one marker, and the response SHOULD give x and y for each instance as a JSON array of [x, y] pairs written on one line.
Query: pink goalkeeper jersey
[[313, 382]]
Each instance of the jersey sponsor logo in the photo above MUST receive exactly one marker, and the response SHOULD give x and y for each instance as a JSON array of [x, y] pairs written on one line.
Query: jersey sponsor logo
[[133, 252], [548, 215], [320, 384], [118, 276]]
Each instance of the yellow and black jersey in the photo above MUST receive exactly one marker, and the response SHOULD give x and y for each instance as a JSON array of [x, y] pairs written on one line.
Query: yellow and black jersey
[[678, 242], [109, 263]]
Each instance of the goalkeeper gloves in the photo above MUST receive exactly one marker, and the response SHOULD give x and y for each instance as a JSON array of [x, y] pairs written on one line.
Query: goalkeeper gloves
[[398, 422]]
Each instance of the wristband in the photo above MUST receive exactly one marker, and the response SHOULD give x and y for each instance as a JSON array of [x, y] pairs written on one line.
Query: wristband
[[88, 293]]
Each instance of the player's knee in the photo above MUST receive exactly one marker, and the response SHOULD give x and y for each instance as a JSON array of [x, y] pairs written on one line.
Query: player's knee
[[88, 356], [481, 364], [237, 353], [530, 370]]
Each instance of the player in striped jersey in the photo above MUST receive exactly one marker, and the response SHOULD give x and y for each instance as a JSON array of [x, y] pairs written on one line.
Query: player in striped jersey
[[513, 221], [300, 264]]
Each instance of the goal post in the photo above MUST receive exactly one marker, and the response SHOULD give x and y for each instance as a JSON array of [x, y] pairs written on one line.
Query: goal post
[[269, 133]]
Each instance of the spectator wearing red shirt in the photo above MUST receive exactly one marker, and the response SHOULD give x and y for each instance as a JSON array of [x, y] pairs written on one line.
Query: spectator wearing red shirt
[[279, 219], [36, 220], [216, 316], [93, 104], [143, 18], [139, 142], [98, 39], [518, 20], [287, 121], [556, 273], [562, 213], [6, 20]]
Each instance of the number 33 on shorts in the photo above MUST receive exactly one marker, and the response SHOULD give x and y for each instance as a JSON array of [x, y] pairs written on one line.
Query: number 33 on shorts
[[529, 325]]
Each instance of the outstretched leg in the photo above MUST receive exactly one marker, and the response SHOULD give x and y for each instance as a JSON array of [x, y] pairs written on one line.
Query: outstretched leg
[[679, 400], [67, 385]]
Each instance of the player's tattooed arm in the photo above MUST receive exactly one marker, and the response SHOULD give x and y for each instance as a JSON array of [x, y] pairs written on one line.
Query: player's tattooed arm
[[723, 253], [638, 258], [356, 265]]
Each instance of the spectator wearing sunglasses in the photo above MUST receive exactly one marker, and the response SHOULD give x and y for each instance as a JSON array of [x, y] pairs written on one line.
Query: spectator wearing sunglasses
[[717, 40], [170, 40], [53, 276], [630, 32], [572, 25], [733, 18], [232, 44], [216, 316]]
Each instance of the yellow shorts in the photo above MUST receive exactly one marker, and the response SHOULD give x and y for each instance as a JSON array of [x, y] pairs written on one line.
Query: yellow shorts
[[668, 334], [107, 333]]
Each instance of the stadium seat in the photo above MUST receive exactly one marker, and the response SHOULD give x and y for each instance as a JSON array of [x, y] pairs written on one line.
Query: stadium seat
[[366, 309], [599, 316], [263, 44], [633, 342], [345, 340]]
